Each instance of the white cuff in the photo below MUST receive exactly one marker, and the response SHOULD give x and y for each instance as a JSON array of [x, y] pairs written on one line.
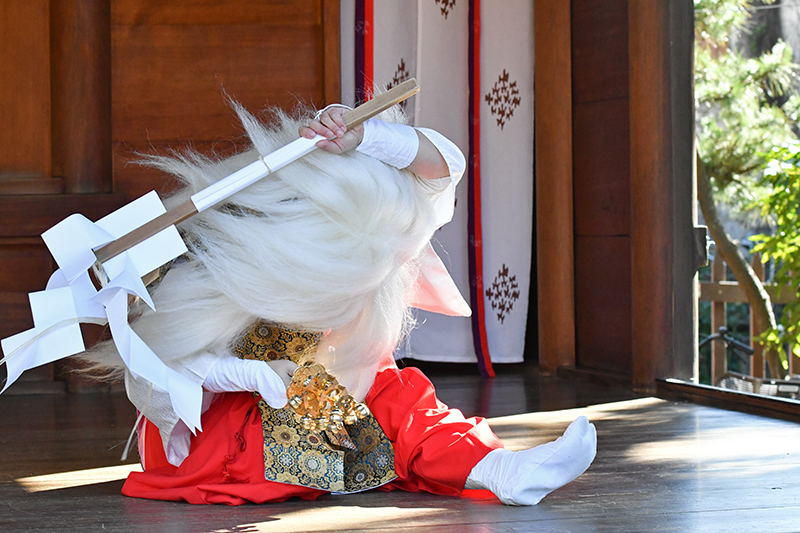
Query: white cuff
[[394, 144]]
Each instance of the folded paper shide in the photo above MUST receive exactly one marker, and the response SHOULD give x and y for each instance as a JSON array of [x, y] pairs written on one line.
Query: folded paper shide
[[123, 247]]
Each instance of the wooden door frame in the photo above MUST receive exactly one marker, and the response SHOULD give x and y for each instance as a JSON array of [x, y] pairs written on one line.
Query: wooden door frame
[[662, 189]]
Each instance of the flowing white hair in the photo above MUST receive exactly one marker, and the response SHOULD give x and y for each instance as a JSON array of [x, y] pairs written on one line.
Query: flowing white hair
[[327, 244]]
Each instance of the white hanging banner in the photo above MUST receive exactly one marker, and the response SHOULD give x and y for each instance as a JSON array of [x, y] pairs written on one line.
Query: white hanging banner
[[506, 159], [394, 46], [431, 40], [442, 69]]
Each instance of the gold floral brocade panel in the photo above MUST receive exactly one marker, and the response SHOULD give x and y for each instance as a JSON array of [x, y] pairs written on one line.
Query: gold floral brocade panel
[[268, 342], [320, 460]]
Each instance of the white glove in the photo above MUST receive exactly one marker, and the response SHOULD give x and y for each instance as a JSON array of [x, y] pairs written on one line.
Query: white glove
[[394, 144], [231, 374]]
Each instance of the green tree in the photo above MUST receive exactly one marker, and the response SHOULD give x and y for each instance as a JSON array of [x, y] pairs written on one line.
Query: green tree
[[782, 208], [743, 113]]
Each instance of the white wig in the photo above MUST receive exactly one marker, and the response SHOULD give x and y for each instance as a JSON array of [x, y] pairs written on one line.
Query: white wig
[[327, 244]]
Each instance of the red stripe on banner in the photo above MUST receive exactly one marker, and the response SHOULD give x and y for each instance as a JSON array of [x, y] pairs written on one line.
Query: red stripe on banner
[[369, 48], [480, 340], [358, 80]]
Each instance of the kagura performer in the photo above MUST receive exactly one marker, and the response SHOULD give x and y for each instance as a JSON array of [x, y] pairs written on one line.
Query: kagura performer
[[321, 261]]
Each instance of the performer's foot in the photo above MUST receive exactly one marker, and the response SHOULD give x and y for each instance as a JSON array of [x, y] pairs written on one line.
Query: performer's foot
[[525, 477]]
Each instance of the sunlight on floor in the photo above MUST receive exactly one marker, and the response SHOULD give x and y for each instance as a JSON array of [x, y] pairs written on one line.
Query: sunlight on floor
[[751, 447], [338, 518], [523, 431], [734, 453], [77, 478], [595, 412]]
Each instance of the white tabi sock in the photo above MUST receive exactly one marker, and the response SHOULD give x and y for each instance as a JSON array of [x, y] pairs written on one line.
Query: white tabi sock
[[527, 476]]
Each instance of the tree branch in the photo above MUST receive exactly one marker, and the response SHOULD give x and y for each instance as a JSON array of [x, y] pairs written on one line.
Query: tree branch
[[760, 303]]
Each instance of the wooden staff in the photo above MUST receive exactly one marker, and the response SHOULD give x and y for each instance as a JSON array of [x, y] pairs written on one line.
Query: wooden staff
[[223, 189]]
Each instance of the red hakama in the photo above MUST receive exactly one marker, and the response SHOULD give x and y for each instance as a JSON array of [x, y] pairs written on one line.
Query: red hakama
[[435, 448]]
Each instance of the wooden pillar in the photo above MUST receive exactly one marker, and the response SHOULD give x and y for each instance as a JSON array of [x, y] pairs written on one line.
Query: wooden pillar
[[553, 156], [686, 260], [651, 191], [757, 359], [80, 48], [719, 354]]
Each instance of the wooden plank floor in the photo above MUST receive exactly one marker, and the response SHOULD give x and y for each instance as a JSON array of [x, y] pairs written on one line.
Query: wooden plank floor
[[660, 467]]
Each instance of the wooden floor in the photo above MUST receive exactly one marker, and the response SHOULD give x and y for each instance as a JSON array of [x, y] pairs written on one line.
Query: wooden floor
[[660, 467]]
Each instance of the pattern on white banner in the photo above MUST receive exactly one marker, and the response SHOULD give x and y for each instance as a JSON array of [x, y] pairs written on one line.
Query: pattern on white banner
[[503, 99], [401, 74], [474, 62], [503, 292], [445, 6]]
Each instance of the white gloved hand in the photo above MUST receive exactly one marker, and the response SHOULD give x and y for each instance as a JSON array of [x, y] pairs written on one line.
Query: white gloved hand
[[231, 374], [284, 368]]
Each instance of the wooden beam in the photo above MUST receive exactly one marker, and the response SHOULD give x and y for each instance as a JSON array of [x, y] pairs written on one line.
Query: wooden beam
[[553, 156], [30, 185], [651, 191], [731, 292], [719, 361], [770, 406], [31, 215], [80, 49]]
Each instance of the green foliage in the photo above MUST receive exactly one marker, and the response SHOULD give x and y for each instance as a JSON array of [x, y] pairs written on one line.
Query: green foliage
[[747, 138], [715, 20], [782, 207], [742, 104]]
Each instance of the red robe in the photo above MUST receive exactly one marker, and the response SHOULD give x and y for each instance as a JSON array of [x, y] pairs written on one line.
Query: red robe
[[435, 448]]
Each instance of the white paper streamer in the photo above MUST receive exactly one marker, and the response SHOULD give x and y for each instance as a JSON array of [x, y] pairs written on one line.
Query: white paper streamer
[[44, 343], [71, 298]]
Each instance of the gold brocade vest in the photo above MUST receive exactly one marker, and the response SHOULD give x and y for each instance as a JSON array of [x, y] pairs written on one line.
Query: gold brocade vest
[[320, 460]]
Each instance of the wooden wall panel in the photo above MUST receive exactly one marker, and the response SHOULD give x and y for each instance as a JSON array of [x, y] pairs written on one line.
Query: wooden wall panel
[[173, 61], [24, 89], [168, 81], [25, 265], [603, 303], [602, 195], [601, 168], [18, 211], [81, 94], [16, 314], [599, 49]]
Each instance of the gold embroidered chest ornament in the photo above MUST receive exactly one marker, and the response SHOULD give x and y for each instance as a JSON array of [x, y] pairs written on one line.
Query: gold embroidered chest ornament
[[320, 403]]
